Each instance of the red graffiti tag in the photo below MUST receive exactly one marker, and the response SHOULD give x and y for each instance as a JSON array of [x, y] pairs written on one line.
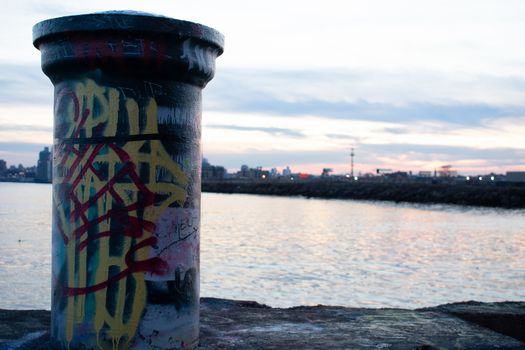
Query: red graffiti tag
[[82, 159]]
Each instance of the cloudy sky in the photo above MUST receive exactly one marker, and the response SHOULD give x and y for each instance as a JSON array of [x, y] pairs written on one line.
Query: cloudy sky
[[410, 84]]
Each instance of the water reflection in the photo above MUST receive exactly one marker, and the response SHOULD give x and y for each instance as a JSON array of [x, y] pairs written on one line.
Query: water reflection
[[25, 236], [296, 251], [309, 251]]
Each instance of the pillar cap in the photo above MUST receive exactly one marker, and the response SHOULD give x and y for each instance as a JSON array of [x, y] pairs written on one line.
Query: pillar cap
[[125, 21]]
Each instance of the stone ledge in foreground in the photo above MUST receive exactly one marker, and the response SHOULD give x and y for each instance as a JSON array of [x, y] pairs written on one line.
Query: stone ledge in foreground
[[230, 324]]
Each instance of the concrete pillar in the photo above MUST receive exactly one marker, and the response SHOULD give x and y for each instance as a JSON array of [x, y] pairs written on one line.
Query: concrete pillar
[[126, 177]]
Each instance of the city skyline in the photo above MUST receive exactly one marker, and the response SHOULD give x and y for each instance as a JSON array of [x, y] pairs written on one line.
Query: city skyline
[[42, 170], [410, 86]]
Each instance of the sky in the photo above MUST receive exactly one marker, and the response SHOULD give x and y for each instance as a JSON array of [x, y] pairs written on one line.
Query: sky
[[409, 84]]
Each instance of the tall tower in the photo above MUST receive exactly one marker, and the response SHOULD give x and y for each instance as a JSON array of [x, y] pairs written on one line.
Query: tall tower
[[43, 166], [352, 162]]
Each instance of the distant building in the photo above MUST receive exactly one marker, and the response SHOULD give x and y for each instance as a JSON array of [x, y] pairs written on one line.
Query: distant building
[[209, 171], [447, 171], [326, 172], [515, 176], [256, 173], [244, 172], [383, 171], [3, 167], [30, 172], [425, 174], [44, 166], [287, 171]]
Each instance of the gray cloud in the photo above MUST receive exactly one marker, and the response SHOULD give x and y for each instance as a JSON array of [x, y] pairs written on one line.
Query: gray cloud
[[252, 91], [448, 153], [339, 136], [398, 131], [22, 147], [268, 130], [461, 114], [351, 139], [15, 153], [24, 84], [18, 127], [298, 93], [283, 93]]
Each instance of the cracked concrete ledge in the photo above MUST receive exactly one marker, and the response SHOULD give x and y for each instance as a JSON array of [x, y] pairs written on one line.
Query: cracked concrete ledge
[[231, 324]]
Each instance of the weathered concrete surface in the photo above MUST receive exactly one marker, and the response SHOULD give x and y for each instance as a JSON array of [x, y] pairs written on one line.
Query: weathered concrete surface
[[234, 325], [505, 317], [19, 328], [229, 324]]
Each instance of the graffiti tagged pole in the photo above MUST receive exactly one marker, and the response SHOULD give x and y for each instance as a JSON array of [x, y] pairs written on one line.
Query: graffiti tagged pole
[[126, 177]]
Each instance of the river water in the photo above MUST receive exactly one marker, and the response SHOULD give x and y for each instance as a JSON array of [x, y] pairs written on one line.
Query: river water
[[295, 251]]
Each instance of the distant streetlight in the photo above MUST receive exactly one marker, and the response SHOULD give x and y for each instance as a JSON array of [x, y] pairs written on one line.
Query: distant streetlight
[[347, 176], [355, 178], [263, 176], [468, 178], [291, 178], [492, 178], [480, 178]]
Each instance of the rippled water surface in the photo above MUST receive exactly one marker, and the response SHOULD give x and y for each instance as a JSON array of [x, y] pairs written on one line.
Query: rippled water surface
[[295, 251]]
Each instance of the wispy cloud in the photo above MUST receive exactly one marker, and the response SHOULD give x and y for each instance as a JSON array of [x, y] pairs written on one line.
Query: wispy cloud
[[22, 147], [269, 130], [368, 95], [397, 130], [25, 127], [24, 84], [442, 152], [331, 94], [352, 139]]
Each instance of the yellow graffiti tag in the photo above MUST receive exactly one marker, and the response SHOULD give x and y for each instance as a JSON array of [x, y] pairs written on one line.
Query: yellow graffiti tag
[[87, 211]]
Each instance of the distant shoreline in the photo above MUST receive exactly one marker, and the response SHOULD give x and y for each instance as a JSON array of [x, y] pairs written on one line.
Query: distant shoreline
[[509, 196]]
